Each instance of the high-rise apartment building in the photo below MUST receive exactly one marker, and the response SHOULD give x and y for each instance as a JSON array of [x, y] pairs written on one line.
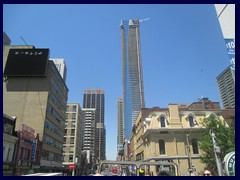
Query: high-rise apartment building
[[61, 67], [226, 79], [226, 86], [120, 125], [89, 130], [37, 96], [73, 139], [132, 77], [95, 99]]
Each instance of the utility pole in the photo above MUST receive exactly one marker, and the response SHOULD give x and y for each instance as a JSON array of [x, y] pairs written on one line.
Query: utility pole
[[217, 153]]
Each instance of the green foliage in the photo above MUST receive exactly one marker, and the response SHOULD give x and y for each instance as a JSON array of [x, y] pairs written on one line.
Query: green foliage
[[225, 139]]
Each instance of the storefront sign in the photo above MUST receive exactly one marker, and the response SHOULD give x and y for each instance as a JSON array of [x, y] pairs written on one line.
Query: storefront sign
[[229, 164], [72, 166]]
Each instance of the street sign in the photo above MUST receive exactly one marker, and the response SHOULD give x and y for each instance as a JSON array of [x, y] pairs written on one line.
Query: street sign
[[72, 166], [229, 164]]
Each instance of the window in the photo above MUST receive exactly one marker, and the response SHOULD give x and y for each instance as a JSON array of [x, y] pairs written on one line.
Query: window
[[162, 147], [191, 121], [71, 158], [73, 115], [66, 115], [8, 155], [66, 124], [67, 110], [73, 124], [71, 149], [50, 156], [72, 140], [195, 146], [162, 121], [74, 109], [3, 150], [26, 153], [72, 132]]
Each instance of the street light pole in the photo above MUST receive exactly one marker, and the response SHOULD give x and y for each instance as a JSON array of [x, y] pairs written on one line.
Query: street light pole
[[217, 153], [189, 156]]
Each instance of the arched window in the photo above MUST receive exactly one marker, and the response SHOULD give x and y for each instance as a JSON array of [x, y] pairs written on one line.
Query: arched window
[[162, 121], [162, 147], [195, 146], [191, 121]]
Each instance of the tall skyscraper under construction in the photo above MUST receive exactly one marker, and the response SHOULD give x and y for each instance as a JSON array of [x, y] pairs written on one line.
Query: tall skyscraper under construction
[[95, 99], [132, 76]]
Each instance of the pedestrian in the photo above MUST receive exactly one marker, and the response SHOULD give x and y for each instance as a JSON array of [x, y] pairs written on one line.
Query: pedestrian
[[207, 173]]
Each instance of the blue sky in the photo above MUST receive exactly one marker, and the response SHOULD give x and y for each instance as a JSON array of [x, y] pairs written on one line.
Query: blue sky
[[183, 50]]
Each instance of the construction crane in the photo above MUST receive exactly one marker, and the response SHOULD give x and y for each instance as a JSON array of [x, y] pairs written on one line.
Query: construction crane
[[146, 19]]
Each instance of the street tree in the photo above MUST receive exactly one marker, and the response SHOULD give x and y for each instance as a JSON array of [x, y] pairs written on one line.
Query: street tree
[[225, 139]]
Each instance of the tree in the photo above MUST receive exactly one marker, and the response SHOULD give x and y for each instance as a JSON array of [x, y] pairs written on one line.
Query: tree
[[225, 139]]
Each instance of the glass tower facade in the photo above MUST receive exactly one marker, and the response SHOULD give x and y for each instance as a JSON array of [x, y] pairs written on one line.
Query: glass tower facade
[[132, 78]]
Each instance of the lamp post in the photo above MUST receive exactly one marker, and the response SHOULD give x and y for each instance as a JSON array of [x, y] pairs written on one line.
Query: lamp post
[[189, 157], [217, 153]]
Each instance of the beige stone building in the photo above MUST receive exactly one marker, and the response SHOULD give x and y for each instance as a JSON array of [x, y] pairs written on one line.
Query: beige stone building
[[171, 134], [40, 103], [73, 139]]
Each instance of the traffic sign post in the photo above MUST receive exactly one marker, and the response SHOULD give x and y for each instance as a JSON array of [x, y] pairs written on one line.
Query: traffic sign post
[[229, 164]]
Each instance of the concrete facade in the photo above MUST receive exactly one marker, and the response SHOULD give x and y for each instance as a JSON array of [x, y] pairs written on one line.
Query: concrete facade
[[6, 39], [61, 67], [40, 103], [73, 139]]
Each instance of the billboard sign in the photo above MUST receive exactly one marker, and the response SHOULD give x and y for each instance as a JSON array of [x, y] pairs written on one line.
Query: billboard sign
[[230, 44], [27, 62]]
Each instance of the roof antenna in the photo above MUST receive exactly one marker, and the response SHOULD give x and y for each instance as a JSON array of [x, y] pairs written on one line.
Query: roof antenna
[[25, 42]]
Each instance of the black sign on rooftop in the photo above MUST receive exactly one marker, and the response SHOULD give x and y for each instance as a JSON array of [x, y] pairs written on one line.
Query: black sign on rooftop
[[27, 62]]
